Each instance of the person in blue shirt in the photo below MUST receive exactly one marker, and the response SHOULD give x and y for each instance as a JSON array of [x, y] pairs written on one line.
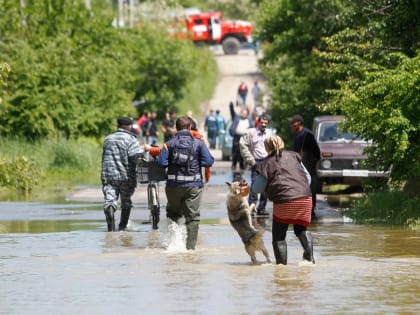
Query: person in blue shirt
[[212, 128], [184, 156]]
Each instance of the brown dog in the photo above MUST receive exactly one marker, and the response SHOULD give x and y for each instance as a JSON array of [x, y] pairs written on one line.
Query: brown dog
[[239, 213]]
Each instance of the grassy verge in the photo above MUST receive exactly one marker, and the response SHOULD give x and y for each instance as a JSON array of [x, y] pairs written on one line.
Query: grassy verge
[[389, 208], [47, 168]]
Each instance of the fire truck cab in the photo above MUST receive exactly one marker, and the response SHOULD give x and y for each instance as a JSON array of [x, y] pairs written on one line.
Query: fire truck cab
[[210, 28]]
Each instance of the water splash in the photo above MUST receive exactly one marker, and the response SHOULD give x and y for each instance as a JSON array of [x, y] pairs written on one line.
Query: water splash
[[174, 235]]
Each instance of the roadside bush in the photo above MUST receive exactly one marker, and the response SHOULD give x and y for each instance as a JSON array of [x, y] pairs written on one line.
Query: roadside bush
[[20, 173], [392, 208]]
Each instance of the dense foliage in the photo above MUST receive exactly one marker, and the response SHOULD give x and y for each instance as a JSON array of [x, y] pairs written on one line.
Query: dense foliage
[[357, 58], [73, 72]]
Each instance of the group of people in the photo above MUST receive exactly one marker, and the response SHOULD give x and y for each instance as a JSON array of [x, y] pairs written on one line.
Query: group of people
[[284, 177], [215, 125], [288, 178], [183, 155]]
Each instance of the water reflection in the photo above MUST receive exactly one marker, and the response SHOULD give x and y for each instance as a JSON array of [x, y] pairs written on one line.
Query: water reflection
[[68, 263]]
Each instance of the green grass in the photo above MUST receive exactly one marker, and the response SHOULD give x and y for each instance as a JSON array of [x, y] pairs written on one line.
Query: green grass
[[59, 165], [389, 208]]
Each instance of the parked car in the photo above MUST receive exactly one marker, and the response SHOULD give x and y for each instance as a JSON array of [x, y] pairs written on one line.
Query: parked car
[[342, 153], [228, 139]]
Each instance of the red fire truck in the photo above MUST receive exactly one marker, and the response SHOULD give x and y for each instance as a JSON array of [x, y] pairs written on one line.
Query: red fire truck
[[210, 28]]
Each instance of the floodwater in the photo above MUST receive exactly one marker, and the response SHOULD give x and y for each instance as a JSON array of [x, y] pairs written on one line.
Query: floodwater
[[58, 259]]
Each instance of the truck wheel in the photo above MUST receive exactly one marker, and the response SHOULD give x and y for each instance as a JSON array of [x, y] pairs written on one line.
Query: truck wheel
[[231, 46]]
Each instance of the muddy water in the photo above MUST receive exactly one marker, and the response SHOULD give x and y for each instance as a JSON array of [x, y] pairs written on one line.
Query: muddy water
[[59, 259]]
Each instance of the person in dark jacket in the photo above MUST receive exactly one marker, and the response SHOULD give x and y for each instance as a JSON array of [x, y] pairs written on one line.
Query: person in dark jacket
[[184, 156], [305, 144], [118, 175], [285, 180]]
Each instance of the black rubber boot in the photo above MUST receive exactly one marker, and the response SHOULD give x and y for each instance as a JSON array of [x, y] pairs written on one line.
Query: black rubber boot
[[125, 215], [280, 252], [109, 215], [305, 239], [192, 233]]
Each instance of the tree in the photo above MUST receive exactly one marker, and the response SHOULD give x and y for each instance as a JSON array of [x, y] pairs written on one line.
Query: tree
[[379, 84], [73, 72], [293, 31]]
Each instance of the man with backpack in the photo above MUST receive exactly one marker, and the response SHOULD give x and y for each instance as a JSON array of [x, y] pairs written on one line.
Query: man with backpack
[[184, 156]]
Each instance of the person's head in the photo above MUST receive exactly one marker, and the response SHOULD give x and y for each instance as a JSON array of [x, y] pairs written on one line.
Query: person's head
[[211, 111], [172, 114], [193, 124], [124, 123], [217, 111], [263, 122], [274, 143], [154, 115], [183, 123], [243, 113], [295, 123]]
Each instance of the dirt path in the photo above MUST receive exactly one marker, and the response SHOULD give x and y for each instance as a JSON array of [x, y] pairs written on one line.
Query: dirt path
[[232, 71]]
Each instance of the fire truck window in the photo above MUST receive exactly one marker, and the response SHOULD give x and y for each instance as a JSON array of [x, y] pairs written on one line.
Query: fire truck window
[[198, 22]]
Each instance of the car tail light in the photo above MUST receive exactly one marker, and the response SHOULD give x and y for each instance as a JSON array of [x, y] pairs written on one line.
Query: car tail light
[[326, 154]]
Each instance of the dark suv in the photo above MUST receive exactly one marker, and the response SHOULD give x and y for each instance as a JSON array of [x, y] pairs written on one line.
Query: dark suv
[[341, 153]]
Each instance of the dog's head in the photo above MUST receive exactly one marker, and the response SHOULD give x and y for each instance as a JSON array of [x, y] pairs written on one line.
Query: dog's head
[[238, 188]]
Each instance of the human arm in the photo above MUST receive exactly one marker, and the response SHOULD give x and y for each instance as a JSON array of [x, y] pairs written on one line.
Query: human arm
[[308, 176], [207, 174], [245, 146], [232, 111], [206, 159], [163, 158]]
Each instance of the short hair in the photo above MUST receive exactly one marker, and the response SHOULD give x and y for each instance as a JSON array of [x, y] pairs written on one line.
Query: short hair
[[264, 117], [183, 123]]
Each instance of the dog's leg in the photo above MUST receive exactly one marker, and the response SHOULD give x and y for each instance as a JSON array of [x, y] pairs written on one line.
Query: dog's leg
[[250, 210], [265, 252], [254, 259]]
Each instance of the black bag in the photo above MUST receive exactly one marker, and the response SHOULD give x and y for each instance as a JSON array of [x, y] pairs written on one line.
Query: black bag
[[149, 171]]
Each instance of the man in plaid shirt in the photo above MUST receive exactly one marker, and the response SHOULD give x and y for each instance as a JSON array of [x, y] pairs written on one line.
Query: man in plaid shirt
[[119, 157]]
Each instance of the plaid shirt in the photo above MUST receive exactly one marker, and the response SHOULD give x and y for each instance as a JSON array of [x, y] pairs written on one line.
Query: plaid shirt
[[119, 156]]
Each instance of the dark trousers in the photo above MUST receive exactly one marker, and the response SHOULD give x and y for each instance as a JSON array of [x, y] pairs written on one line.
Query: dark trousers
[[279, 230], [236, 153], [211, 137], [253, 197]]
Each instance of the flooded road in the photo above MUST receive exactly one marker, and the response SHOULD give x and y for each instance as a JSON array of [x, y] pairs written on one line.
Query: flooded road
[[57, 258]]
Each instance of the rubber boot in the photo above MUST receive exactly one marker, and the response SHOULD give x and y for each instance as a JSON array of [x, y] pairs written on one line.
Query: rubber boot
[[305, 239], [280, 252], [125, 215], [109, 215], [192, 233]]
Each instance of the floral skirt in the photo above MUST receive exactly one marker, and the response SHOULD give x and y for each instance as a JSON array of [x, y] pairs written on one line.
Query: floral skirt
[[297, 211]]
